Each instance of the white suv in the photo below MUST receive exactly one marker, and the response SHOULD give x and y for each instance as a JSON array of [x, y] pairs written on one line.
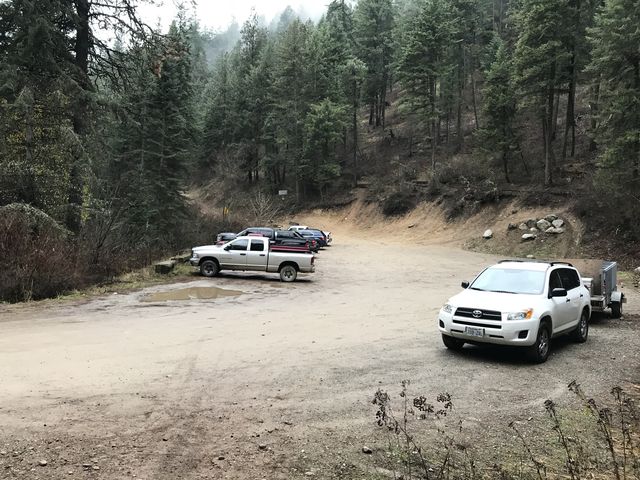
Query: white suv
[[518, 303]]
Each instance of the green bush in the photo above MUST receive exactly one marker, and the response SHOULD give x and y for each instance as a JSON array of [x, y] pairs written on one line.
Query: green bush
[[399, 203], [36, 255]]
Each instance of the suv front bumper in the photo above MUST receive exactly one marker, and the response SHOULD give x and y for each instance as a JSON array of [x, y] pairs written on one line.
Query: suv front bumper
[[507, 332]]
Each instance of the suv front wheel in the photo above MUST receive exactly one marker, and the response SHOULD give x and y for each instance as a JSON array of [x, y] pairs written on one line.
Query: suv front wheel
[[452, 343], [539, 351]]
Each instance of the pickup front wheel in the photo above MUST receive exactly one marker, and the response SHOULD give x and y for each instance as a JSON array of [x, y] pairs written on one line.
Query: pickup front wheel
[[288, 273], [209, 268]]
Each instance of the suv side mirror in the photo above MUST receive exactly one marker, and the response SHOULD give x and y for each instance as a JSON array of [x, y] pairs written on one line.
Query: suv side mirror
[[227, 248], [464, 284], [558, 292]]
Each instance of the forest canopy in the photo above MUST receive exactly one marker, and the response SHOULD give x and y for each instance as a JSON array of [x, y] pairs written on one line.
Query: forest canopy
[[106, 137]]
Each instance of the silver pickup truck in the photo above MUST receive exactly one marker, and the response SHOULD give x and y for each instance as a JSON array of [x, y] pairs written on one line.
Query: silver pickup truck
[[251, 254]]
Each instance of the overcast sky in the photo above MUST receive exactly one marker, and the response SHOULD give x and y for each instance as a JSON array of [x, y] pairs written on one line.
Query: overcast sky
[[217, 14]]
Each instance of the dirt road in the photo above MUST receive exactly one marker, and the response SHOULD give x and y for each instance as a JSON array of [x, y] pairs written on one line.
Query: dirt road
[[274, 383]]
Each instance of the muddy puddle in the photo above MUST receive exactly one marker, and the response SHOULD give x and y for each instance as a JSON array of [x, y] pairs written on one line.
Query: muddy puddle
[[193, 293]]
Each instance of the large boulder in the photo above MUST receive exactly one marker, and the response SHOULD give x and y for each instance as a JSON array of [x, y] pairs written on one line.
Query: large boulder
[[554, 230], [531, 222], [550, 218], [523, 226], [527, 237], [543, 224], [512, 226], [487, 234], [558, 223], [164, 268]]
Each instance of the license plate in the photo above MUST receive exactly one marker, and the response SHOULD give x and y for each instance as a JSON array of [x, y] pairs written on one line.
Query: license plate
[[474, 331]]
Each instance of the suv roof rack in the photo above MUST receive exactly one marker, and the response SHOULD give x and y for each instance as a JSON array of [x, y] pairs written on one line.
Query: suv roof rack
[[552, 263]]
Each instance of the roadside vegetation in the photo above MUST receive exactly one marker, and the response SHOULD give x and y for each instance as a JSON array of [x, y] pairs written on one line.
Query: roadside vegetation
[[107, 124], [589, 438]]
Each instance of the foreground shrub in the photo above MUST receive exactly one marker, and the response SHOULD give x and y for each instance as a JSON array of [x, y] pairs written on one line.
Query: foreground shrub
[[597, 440]]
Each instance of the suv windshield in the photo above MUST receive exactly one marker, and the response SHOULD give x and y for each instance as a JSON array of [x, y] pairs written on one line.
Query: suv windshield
[[509, 280]]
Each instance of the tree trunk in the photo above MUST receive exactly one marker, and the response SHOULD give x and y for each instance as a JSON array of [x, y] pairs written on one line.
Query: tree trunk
[[355, 131], [434, 144], [505, 166], [383, 103], [570, 123], [548, 139], [459, 135], [447, 122], [73, 219], [474, 98], [594, 108], [556, 109], [636, 160]]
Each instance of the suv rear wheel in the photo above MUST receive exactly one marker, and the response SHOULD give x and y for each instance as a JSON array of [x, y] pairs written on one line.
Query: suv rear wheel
[[539, 351], [452, 343]]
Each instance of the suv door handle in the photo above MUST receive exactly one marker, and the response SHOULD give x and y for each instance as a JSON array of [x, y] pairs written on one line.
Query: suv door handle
[[262, 255], [244, 254], [568, 300], [581, 295]]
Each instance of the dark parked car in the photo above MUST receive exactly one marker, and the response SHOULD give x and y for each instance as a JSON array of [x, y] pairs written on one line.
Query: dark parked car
[[316, 235], [263, 231], [280, 238], [225, 237]]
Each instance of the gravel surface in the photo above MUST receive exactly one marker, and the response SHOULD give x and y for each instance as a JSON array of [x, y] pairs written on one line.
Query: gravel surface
[[275, 382]]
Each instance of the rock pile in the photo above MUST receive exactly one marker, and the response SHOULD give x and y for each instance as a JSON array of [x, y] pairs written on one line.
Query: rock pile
[[532, 227]]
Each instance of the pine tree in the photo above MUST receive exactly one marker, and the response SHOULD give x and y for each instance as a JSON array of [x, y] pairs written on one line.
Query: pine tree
[[36, 86], [423, 63], [323, 129], [498, 136], [291, 92], [615, 66], [157, 142], [541, 57], [373, 28]]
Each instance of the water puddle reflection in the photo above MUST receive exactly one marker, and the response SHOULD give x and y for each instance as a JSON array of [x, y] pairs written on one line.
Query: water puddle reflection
[[193, 293]]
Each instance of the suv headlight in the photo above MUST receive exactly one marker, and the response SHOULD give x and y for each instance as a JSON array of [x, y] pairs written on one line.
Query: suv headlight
[[522, 315], [447, 308], [194, 254]]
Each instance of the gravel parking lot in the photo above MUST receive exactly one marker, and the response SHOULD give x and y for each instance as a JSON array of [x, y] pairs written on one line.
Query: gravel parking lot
[[275, 382]]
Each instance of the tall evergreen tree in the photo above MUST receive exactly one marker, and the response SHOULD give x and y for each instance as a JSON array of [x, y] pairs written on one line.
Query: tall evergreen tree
[[157, 141], [615, 66], [423, 63], [499, 137], [541, 57], [373, 28]]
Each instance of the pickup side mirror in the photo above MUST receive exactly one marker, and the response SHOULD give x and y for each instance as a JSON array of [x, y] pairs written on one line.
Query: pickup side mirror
[[464, 284], [558, 292]]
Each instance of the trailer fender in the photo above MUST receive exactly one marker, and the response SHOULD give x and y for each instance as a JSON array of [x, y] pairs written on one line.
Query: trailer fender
[[618, 297]]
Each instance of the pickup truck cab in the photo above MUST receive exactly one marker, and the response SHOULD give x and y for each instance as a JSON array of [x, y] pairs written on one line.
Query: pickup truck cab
[[520, 304], [251, 253]]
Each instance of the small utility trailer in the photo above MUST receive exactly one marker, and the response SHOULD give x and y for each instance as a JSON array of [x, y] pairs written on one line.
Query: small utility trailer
[[603, 285]]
